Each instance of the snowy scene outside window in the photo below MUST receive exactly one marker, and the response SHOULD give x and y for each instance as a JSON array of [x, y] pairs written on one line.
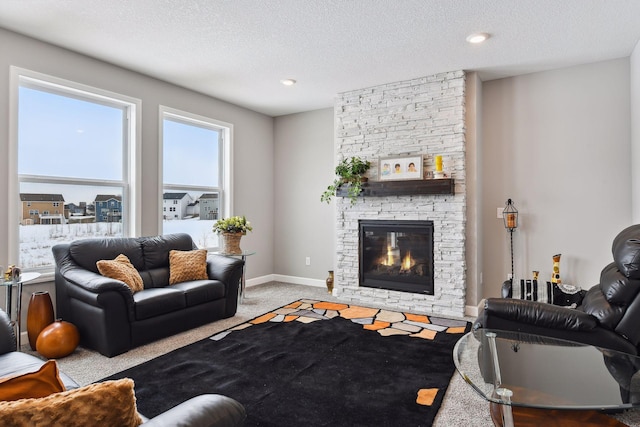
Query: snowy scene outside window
[[191, 178], [71, 160]]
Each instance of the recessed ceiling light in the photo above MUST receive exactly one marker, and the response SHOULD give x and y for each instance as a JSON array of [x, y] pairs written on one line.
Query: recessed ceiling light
[[288, 82], [477, 37]]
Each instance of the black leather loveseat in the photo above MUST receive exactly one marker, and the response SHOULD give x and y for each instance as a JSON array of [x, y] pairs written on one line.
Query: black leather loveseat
[[112, 319], [608, 316], [207, 410]]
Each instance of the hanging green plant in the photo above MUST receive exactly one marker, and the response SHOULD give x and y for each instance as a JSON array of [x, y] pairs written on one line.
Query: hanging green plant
[[349, 172]]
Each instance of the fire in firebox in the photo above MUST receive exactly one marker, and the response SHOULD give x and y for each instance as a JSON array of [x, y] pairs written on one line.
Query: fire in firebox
[[397, 255]]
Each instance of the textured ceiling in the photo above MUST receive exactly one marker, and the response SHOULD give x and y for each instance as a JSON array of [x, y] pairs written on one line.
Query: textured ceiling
[[239, 50]]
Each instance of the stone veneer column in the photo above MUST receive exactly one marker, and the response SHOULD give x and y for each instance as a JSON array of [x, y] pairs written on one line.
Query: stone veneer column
[[420, 116]]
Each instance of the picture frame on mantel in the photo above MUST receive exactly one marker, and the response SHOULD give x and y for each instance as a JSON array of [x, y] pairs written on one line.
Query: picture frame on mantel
[[400, 168]]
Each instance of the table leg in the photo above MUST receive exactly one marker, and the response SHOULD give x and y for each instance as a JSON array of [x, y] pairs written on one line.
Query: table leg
[[507, 415], [19, 314], [9, 310], [7, 301], [242, 281]]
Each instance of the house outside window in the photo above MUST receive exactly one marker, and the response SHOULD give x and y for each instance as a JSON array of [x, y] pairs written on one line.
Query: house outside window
[[196, 167], [72, 142]]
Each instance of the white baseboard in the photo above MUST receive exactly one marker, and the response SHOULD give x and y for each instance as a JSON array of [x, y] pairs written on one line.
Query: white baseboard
[[471, 310], [300, 280], [260, 280], [287, 279]]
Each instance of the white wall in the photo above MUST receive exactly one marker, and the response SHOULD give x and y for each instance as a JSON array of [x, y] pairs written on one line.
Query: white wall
[[253, 136], [304, 227], [558, 144], [635, 130]]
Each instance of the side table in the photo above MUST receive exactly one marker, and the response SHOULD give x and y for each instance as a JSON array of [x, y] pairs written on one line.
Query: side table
[[242, 256], [8, 285]]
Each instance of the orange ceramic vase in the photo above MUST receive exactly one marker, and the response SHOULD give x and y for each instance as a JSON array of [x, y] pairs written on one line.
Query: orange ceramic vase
[[57, 340], [39, 315]]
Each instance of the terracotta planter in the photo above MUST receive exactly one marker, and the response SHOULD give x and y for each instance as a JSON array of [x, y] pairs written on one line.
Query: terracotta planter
[[57, 340], [39, 315]]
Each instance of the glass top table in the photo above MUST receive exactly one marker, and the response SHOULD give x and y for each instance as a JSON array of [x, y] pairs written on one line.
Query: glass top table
[[511, 368], [9, 285]]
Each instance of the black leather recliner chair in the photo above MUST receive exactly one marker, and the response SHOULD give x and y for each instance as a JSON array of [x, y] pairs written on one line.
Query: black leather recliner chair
[[608, 315]]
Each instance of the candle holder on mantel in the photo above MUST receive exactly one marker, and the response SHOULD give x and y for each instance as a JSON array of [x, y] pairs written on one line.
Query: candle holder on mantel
[[439, 173]]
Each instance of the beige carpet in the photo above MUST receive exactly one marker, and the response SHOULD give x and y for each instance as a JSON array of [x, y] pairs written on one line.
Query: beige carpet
[[461, 405]]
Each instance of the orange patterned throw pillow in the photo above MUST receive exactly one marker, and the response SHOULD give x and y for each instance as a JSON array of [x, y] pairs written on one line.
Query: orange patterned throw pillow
[[110, 403], [121, 269], [43, 382], [187, 265]]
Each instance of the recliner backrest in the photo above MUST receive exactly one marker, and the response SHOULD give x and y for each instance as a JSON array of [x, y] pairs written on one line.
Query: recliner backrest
[[615, 301], [626, 251]]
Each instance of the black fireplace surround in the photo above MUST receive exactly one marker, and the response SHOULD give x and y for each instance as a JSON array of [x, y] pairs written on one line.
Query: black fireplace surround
[[396, 255]]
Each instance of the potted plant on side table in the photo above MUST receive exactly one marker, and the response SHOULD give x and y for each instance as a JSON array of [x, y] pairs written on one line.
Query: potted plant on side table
[[231, 230], [350, 171]]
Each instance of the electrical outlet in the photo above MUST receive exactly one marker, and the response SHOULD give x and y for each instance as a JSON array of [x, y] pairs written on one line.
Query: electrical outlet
[[499, 215], [307, 260]]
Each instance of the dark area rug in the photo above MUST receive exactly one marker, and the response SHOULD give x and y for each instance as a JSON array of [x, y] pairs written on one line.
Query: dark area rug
[[313, 363]]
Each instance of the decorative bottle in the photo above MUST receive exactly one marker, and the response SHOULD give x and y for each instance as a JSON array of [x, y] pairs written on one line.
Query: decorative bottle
[[329, 282]]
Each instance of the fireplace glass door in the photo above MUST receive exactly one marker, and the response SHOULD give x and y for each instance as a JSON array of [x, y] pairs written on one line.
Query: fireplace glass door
[[396, 255]]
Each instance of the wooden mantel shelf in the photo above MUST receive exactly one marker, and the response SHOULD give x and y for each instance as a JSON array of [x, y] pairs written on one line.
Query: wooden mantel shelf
[[403, 188]]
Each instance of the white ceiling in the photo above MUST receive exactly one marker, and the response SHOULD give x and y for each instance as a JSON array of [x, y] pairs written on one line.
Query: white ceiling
[[239, 50]]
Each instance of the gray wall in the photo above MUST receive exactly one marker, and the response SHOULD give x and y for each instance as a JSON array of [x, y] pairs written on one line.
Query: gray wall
[[304, 163], [474, 212], [635, 129], [558, 144], [253, 137]]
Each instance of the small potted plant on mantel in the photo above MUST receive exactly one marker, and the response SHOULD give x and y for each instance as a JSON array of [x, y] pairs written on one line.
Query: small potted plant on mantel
[[350, 171]]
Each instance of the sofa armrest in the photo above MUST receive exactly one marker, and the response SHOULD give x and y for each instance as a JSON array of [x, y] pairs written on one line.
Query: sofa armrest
[[94, 282], [228, 270], [539, 314], [207, 410], [74, 274], [223, 268]]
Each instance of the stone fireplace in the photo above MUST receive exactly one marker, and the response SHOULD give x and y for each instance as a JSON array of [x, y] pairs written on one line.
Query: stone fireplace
[[423, 116]]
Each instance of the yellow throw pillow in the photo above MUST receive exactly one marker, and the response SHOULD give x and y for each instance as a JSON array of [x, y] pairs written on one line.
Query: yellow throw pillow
[[121, 269], [43, 382], [187, 265], [111, 403]]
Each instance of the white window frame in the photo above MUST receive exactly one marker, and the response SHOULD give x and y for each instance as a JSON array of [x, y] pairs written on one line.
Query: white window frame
[[131, 151], [225, 172]]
